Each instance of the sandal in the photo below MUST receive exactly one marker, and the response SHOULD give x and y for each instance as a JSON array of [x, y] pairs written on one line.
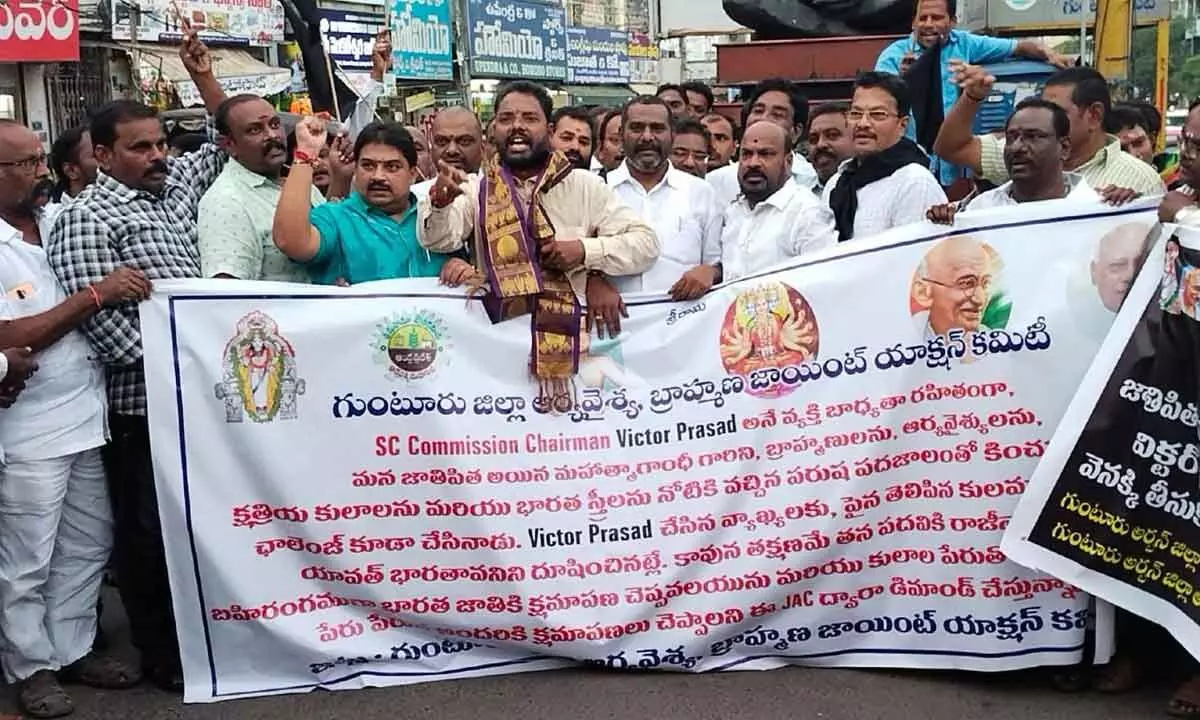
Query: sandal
[[1119, 676], [1186, 702], [102, 672], [40, 696]]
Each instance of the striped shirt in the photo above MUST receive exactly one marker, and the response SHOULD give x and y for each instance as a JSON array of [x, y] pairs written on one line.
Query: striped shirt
[[1109, 166]]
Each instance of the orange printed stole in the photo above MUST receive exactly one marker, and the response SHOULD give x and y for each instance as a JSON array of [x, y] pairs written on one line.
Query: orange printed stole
[[512, 237]]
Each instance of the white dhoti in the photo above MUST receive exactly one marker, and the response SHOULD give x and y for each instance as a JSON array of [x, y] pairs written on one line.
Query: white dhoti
[[55, 538]]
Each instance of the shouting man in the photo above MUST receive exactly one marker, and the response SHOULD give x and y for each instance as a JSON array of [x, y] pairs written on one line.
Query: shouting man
[[544, 226]]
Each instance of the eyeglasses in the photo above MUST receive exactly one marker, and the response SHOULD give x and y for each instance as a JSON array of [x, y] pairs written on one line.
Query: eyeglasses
[[875, 116], [30, 163], [968, 284], [684, 153]]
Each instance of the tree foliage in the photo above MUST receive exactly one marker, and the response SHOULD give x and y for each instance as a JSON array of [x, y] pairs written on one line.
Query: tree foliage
[[1183, 69]]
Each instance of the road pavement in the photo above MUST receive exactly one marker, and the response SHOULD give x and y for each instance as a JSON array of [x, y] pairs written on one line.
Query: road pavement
[[790, 694]]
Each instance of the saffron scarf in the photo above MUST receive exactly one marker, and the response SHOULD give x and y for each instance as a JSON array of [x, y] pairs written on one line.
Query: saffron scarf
[[511, 237]]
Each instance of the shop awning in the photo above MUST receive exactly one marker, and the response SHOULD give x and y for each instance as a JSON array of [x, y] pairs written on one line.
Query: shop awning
[[238, 72], [598, 94]]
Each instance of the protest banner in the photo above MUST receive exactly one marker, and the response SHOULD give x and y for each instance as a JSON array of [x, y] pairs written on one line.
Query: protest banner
[[1114, 505], [360, 486]]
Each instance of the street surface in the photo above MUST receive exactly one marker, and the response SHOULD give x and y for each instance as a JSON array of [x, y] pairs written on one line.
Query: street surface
[[789, 694]]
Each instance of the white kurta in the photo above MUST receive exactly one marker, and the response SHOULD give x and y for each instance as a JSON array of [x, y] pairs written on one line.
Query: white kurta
[[55, 517]]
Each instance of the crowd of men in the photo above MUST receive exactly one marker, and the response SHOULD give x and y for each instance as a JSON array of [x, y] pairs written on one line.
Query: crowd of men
[[662, 195]]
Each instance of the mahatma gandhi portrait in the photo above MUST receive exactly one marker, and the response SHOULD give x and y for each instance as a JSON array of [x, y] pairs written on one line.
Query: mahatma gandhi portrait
[[954, 284]]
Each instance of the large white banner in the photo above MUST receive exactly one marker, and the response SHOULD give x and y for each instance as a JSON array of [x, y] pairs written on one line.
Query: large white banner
[[813, 466]]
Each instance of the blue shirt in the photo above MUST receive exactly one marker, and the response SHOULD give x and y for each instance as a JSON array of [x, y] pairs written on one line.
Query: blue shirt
[[361, 243], [962, 45]]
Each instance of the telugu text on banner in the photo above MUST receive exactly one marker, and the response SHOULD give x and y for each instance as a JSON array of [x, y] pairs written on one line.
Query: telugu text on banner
[[360, 487]]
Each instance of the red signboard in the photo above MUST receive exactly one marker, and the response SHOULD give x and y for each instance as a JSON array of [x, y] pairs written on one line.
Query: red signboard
[[39, 30]]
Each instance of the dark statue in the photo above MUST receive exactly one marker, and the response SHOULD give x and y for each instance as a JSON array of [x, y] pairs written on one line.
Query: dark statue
[[778, 19]]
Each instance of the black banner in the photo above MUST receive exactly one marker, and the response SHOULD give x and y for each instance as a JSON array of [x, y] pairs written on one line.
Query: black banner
[[1124, 511], [305, 18]]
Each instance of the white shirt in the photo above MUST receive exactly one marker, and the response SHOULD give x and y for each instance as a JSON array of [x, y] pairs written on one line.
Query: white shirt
[[595, 165], [725, 180], [421, 189], [898, 199], [683, 212], [62, 409], [790, 223], [1188, 216], [1077, 190]]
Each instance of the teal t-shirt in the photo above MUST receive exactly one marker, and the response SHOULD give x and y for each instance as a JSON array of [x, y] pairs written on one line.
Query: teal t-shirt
[[360, 243]]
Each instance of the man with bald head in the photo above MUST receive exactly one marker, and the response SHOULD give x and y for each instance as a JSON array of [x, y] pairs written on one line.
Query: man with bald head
[[425, 164], [457, 142], [457, 139], [953, 285], [774, 218], [55, 513], [1119, 255]]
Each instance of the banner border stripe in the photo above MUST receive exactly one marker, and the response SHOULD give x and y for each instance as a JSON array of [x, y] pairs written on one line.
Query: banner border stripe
[[187, 495], [799, 262]]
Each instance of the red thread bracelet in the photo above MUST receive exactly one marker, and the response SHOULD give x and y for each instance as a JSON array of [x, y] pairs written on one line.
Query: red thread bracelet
[[95, 296]]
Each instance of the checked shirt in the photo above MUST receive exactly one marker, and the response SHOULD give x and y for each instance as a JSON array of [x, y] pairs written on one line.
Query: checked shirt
[[111, 224]]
